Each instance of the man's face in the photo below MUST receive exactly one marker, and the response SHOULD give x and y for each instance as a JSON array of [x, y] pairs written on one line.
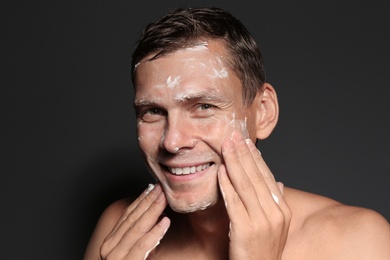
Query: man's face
[[188, 102]]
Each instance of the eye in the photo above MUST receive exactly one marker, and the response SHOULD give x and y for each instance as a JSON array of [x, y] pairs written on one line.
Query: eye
[[204, 110], [152, 114], [205, 106], [153, 111]]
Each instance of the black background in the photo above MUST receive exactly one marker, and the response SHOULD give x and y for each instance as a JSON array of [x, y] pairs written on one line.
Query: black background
[[68, 134]]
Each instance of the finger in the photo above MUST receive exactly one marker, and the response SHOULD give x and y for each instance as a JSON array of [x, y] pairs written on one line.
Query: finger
[[132, 206], [267, 190], [238, 176], [142, 248], [267, 176], [281, 187], [143, 224], [144, 205], [233, 203], [255, 175], [151, 240], [278, 202]]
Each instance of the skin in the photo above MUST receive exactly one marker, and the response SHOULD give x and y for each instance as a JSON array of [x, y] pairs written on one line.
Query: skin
[[189, 114]]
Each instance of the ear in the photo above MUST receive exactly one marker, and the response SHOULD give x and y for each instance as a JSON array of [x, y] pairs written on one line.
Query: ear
[[267, 111]]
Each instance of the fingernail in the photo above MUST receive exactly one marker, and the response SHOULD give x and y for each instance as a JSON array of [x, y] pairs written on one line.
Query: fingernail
[[281, 187], [251, 144]]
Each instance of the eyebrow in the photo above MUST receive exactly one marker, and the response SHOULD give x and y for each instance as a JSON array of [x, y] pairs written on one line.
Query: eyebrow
[[210, 95]]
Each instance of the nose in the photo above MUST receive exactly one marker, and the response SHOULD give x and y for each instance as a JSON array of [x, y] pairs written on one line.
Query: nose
[[179, 134]]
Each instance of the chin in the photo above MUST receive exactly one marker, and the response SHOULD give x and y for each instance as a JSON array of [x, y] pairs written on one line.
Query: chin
[[193, 203]]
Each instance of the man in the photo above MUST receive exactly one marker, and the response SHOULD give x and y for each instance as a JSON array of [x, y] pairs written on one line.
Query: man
[[202, 102]]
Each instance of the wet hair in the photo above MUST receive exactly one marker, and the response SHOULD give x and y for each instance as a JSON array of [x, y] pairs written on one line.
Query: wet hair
[[186, 27]]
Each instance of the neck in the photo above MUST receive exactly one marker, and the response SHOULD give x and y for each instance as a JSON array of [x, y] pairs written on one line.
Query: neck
[[211, 227]]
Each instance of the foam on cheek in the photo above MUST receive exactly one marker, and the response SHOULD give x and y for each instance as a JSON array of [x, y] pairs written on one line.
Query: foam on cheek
[[241, 126], [226, 129], [234, 125]]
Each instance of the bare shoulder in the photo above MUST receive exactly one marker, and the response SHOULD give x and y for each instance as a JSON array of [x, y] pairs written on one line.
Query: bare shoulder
[[104, 226], [327, 229]]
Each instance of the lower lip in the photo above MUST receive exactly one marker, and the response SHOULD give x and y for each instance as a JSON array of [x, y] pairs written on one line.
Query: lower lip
[[187, 177]]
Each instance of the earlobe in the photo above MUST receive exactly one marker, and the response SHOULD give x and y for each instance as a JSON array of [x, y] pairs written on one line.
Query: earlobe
[[267, 111]]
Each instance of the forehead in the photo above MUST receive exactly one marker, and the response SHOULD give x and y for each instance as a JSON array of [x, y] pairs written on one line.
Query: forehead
[[209, 47], [204, 64]]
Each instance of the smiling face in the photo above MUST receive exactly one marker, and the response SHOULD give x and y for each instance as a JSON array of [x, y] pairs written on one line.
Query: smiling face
[[188, 102]]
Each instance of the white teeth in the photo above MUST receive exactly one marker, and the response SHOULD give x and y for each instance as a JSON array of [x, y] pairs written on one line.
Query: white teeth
[[188, 170]]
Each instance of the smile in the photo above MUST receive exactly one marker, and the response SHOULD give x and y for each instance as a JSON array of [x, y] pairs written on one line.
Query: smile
[[189, 169]]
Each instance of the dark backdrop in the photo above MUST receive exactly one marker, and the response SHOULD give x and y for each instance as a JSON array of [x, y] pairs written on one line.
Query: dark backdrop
[[68, 134]]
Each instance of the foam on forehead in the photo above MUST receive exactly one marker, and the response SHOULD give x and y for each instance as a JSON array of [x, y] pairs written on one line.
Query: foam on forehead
[[173, 81], [201, 46]]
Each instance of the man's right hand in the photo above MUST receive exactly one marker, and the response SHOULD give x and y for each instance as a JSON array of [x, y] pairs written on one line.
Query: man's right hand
[[138, 231]]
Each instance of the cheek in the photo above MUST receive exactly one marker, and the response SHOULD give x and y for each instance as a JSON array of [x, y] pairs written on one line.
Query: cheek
[[149, 137], [217, 131]]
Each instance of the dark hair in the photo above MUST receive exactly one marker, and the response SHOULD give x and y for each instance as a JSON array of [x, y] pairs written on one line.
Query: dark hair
[[182, 28]]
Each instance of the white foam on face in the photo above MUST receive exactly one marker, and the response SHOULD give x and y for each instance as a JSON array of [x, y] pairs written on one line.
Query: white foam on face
[[199, 47], [222, 72], [173, 82], [238, 124], [184, 96], [197, 206]]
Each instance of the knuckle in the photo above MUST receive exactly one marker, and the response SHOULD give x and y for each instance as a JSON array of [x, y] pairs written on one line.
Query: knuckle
[[246, 184], [258, 178], [141, 244], [278, 219], [130, 219], [236, 198], [149, 199], [139, 228], [128, 210]]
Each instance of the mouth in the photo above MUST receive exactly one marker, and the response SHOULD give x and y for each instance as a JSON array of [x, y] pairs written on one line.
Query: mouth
[[189, 169]]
